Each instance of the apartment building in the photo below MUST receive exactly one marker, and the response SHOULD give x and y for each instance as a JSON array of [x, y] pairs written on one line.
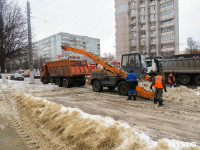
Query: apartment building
[[49, 49], [147, 26]]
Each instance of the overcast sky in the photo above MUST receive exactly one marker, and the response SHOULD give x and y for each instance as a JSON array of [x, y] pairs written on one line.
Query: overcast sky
[[96, 18]]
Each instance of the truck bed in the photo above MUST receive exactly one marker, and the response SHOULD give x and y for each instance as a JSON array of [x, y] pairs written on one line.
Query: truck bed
[[186, 65], [68, 68]]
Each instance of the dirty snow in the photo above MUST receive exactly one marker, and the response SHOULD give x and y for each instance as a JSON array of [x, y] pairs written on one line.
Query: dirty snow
[[180, 94], [92, 131]]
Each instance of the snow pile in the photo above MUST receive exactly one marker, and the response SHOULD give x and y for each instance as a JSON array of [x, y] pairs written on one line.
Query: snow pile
[[182, 94], [75, 129]]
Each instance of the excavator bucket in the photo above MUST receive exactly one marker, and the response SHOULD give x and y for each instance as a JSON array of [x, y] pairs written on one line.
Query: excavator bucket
[[144, 94]]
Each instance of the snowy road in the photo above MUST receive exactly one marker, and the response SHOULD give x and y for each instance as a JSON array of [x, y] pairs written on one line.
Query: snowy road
[[173, 121]]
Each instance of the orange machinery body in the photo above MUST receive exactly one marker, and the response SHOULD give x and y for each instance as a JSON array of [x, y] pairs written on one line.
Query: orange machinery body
[[65, 68], [113, 70]]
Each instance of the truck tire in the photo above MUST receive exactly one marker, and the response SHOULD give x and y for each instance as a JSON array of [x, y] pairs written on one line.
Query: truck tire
[[123, 88], [44, 80], [65, 83], [52, 80], [197, 80], [59, 82], [97, 87], [111, 88], [185, 79]]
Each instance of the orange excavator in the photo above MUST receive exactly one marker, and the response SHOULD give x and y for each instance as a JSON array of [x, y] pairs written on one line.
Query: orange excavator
[[111, 76]]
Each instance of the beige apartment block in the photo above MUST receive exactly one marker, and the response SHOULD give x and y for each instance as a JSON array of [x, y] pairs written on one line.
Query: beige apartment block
[[147, 26]]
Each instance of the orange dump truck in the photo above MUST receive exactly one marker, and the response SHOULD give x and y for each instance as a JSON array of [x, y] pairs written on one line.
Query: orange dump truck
[[65, 72]]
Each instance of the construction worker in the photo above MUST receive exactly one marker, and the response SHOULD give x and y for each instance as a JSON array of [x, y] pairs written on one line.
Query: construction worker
[[159, 84], [171, 79], [132, 83]]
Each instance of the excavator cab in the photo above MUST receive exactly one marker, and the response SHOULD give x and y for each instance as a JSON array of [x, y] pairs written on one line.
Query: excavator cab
[[135, 62]]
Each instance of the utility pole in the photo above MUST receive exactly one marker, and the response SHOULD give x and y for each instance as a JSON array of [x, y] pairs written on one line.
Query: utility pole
[[30, 44]]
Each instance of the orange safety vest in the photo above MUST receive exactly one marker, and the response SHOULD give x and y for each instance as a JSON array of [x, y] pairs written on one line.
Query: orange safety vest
[[169, 81], [158, 82]]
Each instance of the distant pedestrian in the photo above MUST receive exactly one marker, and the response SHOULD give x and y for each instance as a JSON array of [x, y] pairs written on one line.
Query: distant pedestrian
[[132, 83], [171, 79], [159, 84]]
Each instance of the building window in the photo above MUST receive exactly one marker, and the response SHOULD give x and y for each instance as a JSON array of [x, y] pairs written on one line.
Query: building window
[[153, 24], [167, 29], [167, 22], [142, 40], [153, 46], [142, 18], [133, 19], [143, 32], [167, 4], [153, 32], [133, 34], [167, 37], [133, 41], [133, 48], [142, 48], [152, 2], [132, 3], [167, 13], [153, 40], [143, 25], [165, 46], [153, 8], [142, 3], [134, 27], [142, 9], [132, 12], [152, 16]]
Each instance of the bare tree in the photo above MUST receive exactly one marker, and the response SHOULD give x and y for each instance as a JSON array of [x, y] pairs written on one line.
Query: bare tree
[[13, 31], [192, 46], [109, 57]]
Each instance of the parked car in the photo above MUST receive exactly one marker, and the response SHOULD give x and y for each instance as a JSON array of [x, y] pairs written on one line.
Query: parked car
[[17, 76], [37, 76]]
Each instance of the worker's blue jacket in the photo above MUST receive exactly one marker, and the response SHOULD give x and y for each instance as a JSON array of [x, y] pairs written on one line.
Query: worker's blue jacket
[[132, 81]]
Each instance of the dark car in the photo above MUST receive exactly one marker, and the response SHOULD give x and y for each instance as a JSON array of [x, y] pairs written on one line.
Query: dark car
[[17, 76], [0, 76]]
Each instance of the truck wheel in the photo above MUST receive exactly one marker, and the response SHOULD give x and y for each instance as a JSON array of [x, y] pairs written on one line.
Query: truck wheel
[[122, 88], [111, 88], [65, 83], [185, 79], [52, 80], [197, 80], [44, 81], [97, 87], [58, 82]]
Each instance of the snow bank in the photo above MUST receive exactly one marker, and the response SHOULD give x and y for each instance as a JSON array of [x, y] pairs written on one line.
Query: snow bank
[[180, 94], [75, 129]]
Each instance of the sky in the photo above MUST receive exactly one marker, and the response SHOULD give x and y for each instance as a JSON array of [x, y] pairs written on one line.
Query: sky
[[96, 18]]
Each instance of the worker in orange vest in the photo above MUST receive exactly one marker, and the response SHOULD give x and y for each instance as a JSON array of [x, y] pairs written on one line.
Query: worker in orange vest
[[171, 79], [159, 84]]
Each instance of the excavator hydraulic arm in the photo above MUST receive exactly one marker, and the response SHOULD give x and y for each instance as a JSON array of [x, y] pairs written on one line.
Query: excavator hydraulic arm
[[115, 70]]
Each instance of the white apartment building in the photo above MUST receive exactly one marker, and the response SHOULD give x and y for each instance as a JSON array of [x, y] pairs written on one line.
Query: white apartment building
[[49, 49], [147, 26]]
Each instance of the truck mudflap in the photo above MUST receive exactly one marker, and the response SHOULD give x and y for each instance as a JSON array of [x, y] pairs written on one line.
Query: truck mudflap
[[144, 94]]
